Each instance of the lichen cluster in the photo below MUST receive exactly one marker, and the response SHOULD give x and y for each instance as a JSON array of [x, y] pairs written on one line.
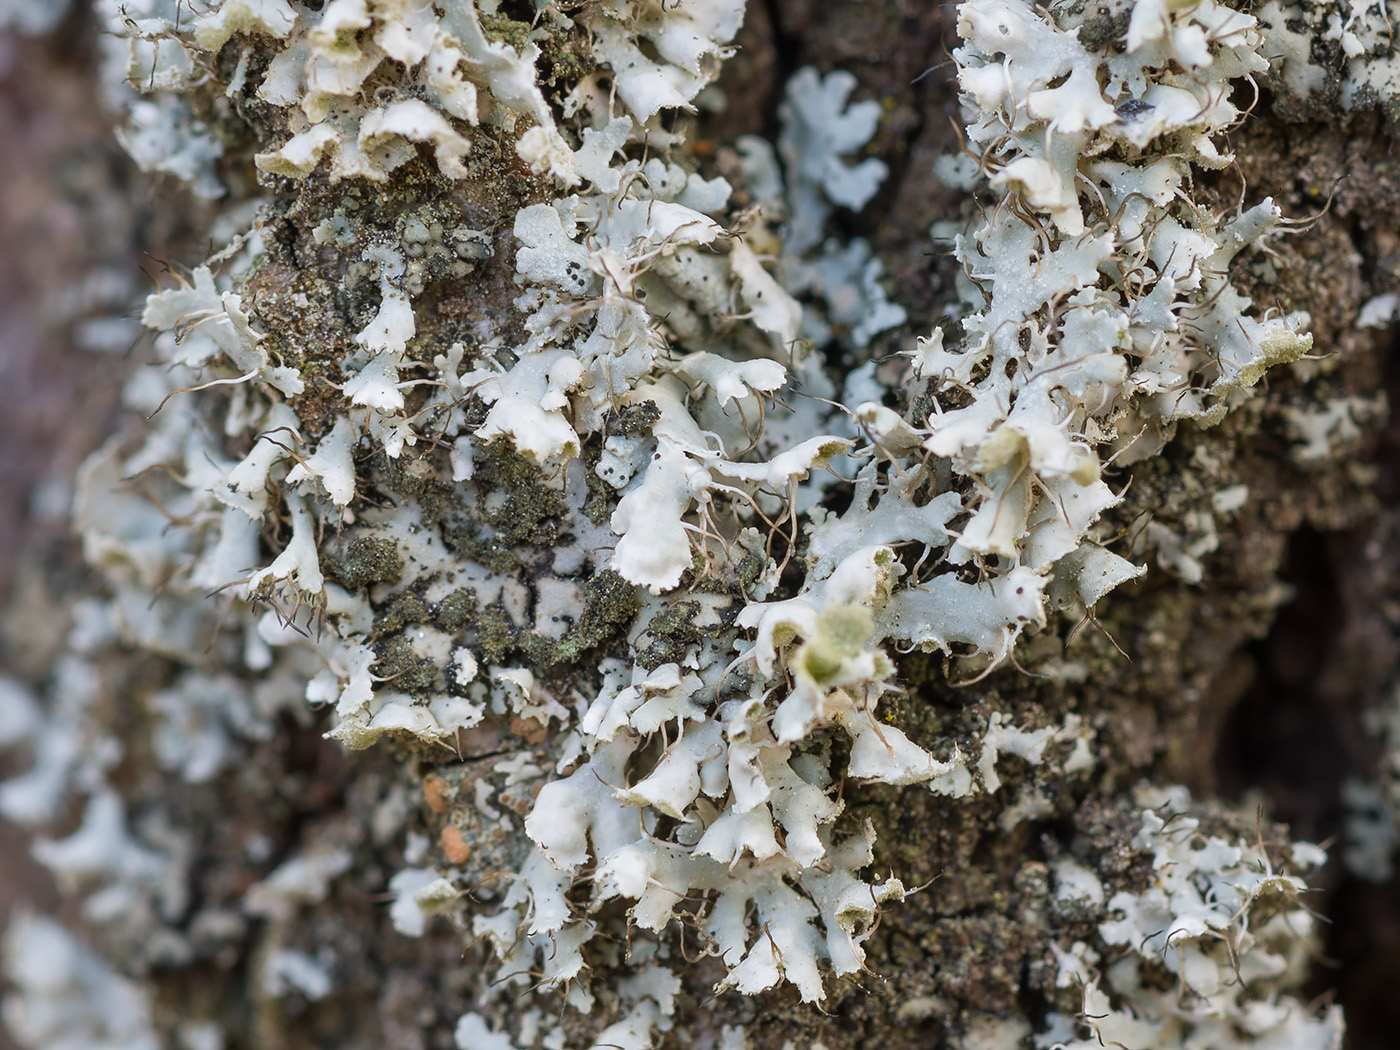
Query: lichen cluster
[[1333, 54], [498, 430], [1229, 928]]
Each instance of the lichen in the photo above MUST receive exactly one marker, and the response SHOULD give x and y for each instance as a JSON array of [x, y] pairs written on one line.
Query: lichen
[[504, 437]]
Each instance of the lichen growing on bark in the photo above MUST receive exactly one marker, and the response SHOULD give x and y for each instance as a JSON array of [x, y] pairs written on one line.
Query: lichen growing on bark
[[684, 627]]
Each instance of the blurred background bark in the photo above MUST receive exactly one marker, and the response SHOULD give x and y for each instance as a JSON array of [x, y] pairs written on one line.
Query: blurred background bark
[[75, 218]]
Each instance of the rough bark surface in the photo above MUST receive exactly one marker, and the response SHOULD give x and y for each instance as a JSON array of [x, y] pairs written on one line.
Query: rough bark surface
[[1247, 687]]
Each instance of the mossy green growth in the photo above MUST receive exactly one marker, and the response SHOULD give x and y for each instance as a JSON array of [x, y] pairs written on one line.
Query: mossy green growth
[[403, 610], [456, 610], [506, 30], [671, 632], [751, 568], [524, 508], [417, 478], [369, 559], [402, 670], [495, 635], [609, 605], [634, 420]]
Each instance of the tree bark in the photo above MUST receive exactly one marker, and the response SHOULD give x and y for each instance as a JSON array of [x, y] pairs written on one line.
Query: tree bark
[[1250, 687]]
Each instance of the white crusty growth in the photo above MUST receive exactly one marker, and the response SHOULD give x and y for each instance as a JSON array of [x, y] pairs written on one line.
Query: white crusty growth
[[696, 777], [1198, 958]]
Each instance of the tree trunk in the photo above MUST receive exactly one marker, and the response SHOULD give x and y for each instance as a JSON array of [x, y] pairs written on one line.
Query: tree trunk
[[255, 880]]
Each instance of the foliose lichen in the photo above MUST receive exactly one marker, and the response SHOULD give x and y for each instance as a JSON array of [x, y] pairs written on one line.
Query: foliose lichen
[[497, 431]]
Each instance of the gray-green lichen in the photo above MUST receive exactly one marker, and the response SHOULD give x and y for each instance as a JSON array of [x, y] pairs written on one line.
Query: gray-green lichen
[[501, 434]]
